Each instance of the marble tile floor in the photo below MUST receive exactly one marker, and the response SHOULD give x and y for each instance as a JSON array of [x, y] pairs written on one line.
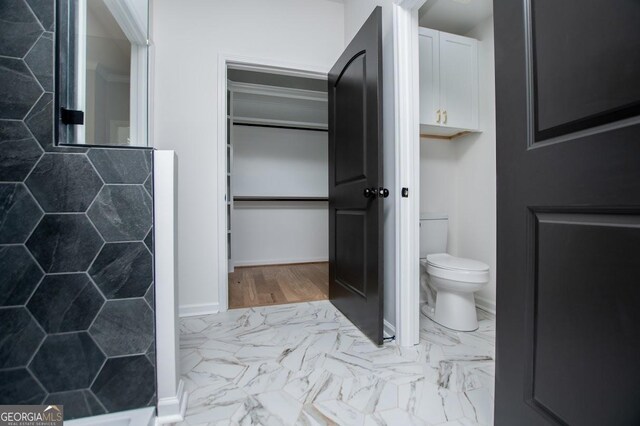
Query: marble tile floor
[[306, 364]]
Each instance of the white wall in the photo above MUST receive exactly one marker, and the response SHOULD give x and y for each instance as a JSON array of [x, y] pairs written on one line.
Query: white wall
[[188, 36], [459, 176], [270, 233], [476, 177], [356, 13], [279, 162]]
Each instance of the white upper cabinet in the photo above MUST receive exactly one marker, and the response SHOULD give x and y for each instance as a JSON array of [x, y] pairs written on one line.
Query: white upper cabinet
[[448, 83]]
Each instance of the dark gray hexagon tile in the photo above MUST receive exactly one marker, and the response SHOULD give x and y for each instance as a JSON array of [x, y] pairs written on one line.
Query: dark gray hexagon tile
[[124, 327], [123, 270], [148, 184], [64, 243], [148, 240], [20, 337], [125, 383], [19, 91], [40, 61], [122, 213], [150, 297], [19, 275], [19, 213], [64, 183], [19, 29], [19, 151], [121, 165], [65, 302], [67, 362], [19, 387], [44, 11], [77, 404]]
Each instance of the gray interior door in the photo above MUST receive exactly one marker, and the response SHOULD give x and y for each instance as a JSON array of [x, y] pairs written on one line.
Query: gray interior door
[[568, 156], [355, 178]]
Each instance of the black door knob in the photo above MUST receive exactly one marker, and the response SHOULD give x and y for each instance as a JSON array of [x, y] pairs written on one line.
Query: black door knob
[[370, 192], [383, 192]]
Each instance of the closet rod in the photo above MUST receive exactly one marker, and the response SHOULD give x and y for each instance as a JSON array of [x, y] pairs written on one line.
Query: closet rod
[[249, 198], [280, 126]]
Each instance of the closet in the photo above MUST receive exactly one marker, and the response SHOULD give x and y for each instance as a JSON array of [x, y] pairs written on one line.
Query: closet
[[277, 183]]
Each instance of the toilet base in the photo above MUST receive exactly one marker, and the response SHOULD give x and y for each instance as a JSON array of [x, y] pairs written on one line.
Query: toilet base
[[453, 310]]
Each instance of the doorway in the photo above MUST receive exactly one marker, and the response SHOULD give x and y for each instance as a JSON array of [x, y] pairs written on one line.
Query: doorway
[[277, 200]]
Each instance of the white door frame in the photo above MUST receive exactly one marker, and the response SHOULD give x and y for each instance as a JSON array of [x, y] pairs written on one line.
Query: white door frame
[[407, 122], [251, 64]]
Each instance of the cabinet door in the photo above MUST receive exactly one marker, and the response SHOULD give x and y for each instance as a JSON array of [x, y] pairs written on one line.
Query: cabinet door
[[459, 81], [429, 76]]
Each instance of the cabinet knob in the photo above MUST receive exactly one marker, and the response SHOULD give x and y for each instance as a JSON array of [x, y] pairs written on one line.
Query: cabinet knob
[[444, 117], [437, 116]]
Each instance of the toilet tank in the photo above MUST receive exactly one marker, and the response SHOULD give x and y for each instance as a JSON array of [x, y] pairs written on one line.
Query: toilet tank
[[433, 233]]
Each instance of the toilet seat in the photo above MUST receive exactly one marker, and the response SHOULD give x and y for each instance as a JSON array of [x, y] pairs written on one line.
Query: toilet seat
[[459, 269]]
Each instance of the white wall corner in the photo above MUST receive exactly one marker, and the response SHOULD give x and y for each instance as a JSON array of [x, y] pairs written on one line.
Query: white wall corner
[[172, 409], [198, 309]]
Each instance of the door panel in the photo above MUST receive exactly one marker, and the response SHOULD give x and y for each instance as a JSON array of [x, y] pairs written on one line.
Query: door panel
[[355, 164], [429, 42], [459, 81], [580, 80], [350, 117], [568, 323]]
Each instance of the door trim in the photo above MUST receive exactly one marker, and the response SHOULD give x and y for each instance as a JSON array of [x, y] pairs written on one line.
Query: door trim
[[407, 150], [250, 64]]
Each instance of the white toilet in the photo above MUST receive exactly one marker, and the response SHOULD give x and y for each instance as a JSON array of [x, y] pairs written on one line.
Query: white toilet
[[448, 282]]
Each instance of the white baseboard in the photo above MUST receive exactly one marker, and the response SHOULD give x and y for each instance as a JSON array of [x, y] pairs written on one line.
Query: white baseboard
[[139, 417], [237, 263], [172, 410], [486, 304], [198, 309], [389, 329]]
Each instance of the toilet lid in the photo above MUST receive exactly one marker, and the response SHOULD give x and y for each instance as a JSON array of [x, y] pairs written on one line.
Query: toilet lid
[[446, 261]]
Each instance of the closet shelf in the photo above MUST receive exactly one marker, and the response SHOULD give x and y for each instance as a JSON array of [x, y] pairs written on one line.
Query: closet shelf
[[286, 124], [277, 198]]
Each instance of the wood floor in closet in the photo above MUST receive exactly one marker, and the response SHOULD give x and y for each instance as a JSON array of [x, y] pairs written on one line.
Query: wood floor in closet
[[276, 284]]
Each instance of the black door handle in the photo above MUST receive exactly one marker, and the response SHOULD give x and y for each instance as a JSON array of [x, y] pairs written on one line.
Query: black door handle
[[370, 192], [383, 192]]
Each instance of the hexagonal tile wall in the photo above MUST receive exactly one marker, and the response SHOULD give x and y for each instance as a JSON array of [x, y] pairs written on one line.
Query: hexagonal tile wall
[[19, 213], [20, 29], [67, 362], [21, 336], [19, 90], [19, 275], [122, 213], [19, 387], [124, 327], [64, 243], [80, 403], [125, 383], [65, 302], [48, 243], [40, 61], [123, 270], [121, 165], [64, 183], [19, 151]]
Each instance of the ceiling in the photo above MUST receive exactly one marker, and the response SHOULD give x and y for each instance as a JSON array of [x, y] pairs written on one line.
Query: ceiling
[[454, 16]]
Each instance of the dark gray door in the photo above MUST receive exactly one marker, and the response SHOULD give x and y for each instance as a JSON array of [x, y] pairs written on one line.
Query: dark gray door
[[355, 177], [568, 155]]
